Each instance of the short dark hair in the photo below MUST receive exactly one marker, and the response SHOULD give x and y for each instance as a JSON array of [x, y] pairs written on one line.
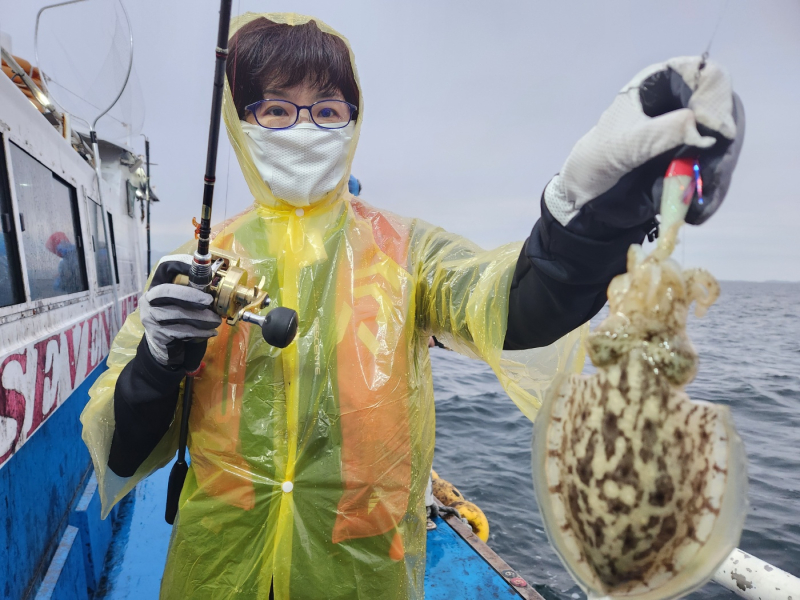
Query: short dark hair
[[268, 54]]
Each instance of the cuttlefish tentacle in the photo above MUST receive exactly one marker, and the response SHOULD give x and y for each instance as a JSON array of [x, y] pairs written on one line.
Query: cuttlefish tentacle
[[702, 288]]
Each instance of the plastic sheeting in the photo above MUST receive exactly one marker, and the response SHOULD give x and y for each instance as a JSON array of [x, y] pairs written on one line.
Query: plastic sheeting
[[345, 413]]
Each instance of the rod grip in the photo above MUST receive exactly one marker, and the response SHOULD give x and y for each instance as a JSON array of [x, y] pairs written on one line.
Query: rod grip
[[177, 476]]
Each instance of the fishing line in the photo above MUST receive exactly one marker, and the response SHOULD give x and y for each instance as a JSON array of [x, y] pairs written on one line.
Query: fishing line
[[683, 243], [701, 66], [227, 183], [230, 146], [704, 56], [716, 28]]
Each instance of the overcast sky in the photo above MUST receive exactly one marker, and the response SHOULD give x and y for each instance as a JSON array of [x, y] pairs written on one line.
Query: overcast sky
[[471, 107]]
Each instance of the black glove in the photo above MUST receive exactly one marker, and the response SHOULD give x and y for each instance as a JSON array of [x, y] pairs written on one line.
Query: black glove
[[178, 322], [145, 398]]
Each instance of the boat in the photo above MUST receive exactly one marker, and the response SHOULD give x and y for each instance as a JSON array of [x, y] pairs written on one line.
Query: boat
[[60, 276]]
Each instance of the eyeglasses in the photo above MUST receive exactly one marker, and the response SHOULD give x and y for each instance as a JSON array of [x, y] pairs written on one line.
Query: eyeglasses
[[282, 114]]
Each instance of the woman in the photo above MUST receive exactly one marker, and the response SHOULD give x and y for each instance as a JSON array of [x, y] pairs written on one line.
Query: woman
[[309, 464]]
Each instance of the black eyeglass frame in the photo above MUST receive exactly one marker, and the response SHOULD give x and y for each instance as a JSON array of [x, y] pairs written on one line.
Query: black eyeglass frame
[[252, 108]]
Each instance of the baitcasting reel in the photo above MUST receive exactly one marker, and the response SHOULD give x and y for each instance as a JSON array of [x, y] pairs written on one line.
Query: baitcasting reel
[[236, 301]]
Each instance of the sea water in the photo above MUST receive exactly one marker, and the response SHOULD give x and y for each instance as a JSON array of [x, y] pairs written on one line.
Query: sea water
[[749, 347]]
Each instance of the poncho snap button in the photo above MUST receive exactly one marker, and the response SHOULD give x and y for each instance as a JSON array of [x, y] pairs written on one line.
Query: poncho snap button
[[299, 212], [287, 486]]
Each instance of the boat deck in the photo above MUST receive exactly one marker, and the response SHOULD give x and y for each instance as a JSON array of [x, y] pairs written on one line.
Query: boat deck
[[454, 568]]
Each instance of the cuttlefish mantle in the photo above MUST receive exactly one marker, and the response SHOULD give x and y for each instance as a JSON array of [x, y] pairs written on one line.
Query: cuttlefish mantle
[[642, 490]]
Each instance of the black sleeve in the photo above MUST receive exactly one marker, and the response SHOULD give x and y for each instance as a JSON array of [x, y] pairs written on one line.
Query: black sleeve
[[145, 398], [562, 274]]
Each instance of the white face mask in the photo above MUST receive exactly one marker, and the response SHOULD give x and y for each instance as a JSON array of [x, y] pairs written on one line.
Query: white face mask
[[302, 164]]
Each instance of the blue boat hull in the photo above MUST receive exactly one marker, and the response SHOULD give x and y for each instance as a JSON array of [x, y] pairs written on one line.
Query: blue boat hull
[[39, 486]]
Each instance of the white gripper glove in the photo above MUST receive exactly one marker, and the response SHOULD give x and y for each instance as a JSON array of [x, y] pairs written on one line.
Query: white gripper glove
[[612, 178], [177, 319]]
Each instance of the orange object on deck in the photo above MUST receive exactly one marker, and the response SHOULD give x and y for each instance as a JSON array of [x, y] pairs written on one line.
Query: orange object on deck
[[32, 72]]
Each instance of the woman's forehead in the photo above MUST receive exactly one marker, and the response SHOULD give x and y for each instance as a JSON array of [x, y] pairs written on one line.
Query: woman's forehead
[[304, 90]]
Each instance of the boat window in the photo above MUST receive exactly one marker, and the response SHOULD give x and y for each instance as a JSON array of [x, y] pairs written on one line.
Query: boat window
[[113, 245], [11, 291], [51, 233], [99, 245]]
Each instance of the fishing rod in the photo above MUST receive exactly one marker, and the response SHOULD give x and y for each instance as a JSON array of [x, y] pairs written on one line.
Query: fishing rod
[[219, 273], [147, 196]]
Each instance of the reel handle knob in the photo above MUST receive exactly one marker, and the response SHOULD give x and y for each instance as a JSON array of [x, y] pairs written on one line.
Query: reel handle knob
[[278, 326]]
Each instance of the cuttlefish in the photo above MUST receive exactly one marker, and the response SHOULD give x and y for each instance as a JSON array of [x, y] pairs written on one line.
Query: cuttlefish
[[642, 490]]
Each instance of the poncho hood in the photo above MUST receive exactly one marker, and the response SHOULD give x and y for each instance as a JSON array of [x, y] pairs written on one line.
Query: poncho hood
[[262, 195]]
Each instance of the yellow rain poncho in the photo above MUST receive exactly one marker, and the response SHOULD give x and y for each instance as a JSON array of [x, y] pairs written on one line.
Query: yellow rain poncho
[[345, 412]]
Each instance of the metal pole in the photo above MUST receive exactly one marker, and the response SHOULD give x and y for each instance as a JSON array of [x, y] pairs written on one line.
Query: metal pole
[[36, 34], [41, 97], [93, 136], [752, 578], [147, 198]]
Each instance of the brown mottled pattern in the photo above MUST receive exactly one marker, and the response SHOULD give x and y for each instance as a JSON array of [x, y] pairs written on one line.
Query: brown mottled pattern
[[642, 484], [636, 472]]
